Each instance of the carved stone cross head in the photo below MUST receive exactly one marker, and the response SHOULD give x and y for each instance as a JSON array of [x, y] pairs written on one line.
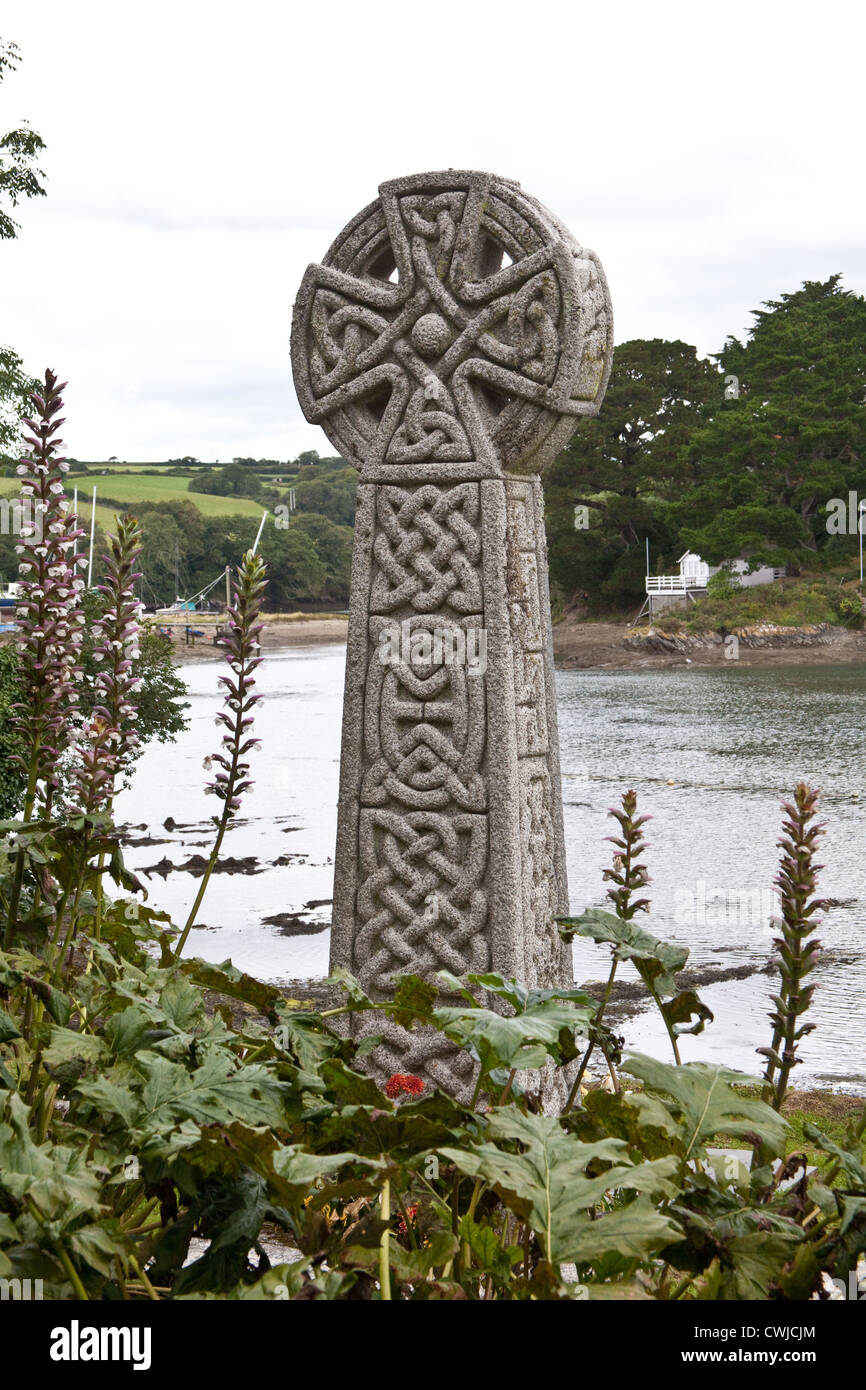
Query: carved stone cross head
[[455, 330]]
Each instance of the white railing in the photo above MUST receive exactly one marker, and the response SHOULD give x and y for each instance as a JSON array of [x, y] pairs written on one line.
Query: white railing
[[673, 583]]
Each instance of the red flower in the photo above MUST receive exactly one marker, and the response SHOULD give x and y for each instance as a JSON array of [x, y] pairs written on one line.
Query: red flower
[[411, 1212], [403, 1084]]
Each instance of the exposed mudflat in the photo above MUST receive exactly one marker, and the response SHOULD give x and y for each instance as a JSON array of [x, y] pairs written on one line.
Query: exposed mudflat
[[278, 632], [586, 646], [629, 997]]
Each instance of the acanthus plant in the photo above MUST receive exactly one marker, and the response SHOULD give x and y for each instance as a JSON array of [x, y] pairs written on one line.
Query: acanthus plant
[[48, 617], [656, 962], [107, 739], [631, 876], [798, 949], [241, 644]]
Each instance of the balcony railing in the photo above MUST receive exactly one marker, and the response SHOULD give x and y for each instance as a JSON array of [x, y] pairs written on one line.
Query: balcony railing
[[673, 583]]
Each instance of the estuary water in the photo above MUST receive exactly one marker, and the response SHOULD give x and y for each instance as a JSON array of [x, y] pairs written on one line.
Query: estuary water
[[711, 753]]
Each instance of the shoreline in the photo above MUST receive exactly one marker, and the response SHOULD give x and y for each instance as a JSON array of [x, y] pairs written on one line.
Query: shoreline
[[597, 646], [585, 646], [280, 630]]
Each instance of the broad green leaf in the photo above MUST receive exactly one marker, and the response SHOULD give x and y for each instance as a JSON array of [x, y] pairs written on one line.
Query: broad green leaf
[[656, 961], [488, 1252], [521, 997], [412, 1265], [111, 1098], [850, 1164], [523, 1041], [684, 1007], [132, 1029], [8, 1229], [346, 981], [635, 1116], [637, 1231], [302, 1034], [8, 1027], [302, 1169], [65, 1045], [408, 1132], [452, 984], [98, 1246], [409, 1266], [758, 1259], [182, 1004], [413, 1001], [853, 1210], [702, 1098], [217, 1090], [547, 1183], [280, 1284], [351, 1088], [233, 983], [58, 1004], [55, 1178]]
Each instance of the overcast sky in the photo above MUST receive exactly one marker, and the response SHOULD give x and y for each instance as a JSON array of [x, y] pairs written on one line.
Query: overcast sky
[[201, 154]]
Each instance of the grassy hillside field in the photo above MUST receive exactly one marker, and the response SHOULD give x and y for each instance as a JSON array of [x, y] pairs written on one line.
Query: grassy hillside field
[[127, 488]]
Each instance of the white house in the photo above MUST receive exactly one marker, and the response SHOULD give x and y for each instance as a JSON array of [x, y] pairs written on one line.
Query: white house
[[667, 590]]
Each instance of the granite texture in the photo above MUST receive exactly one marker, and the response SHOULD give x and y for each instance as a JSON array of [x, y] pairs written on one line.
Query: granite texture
[[448, 345]]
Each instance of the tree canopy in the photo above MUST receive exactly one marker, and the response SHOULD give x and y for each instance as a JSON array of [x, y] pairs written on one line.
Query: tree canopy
[[20, 178], [741, 456], [20, 175], [624, 469], [789, 439]]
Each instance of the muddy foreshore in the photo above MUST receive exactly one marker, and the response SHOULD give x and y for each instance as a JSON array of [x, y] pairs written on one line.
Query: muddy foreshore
[[591, 646], [279, 631], [603, 646]]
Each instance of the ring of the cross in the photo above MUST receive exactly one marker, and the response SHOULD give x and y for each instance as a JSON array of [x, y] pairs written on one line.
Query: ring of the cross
[[454, 322]]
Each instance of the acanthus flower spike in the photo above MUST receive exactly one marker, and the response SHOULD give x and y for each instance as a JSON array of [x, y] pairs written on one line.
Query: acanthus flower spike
[[241, 644]]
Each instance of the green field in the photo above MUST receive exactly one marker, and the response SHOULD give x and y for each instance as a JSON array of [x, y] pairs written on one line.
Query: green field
[[129, 488], [101, 466]]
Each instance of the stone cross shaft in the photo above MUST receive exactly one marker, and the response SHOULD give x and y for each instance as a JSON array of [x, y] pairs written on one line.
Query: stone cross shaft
[[448, 345]]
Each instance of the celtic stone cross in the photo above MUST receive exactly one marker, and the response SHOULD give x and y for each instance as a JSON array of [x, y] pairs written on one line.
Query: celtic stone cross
[[448, 345]]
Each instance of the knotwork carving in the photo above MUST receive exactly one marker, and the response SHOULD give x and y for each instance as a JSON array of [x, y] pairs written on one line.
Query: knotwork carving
[[427, 549], [454, 321], [421, 903], [423, 1052], [423, 722], [537, 834], [539, 877]]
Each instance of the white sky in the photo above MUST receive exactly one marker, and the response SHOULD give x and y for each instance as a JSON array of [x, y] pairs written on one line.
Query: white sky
[[201, 154]]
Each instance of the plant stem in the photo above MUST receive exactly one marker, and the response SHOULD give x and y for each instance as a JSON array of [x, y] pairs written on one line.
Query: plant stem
[[599, 1013], [151, 1291], [242, 646], [384, 1243], [473, 1202], [73, 917], [668, 1026], [74, 1278], [506, 1090], [214, 856], [18, 880]]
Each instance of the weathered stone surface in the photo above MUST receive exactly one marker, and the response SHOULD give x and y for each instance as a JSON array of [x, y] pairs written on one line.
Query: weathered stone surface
[[448, 344]]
